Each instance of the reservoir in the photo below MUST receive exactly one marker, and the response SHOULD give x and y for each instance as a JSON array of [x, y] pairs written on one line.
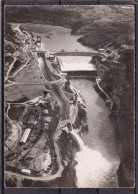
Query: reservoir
[[55, 38], [97, 161]]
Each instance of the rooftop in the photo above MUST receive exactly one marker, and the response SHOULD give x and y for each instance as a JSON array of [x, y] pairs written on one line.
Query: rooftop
[[76, 63]]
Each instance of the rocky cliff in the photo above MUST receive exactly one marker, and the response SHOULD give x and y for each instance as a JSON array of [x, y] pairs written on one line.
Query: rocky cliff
[[111, 30]]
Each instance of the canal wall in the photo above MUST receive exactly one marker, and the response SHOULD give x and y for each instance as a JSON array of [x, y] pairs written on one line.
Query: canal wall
[[104, 95]]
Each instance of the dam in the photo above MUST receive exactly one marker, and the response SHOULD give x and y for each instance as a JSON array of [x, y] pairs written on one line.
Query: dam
[[74, 64], [77, 66]]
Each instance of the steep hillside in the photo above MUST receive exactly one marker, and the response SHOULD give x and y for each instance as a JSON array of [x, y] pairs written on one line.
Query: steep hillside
[[111, 29]]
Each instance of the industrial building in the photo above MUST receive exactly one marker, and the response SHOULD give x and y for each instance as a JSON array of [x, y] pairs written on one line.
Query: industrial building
[[25, 136], [77, 66]]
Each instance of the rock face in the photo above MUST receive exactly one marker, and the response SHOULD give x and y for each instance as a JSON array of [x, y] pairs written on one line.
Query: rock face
[[121, 91], [111, 30], [126, 147], [81, 119]]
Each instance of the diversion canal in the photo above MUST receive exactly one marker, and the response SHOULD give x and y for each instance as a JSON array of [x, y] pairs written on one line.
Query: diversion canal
[[97, 160]]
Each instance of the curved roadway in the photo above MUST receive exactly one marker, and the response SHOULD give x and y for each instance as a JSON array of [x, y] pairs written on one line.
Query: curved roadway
[[56, 84]]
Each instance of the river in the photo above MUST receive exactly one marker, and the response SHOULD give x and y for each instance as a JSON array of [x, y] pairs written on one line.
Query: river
[[55, 38], [98, 159]]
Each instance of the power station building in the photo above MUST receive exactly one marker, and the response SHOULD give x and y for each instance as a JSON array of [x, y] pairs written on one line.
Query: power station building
[[77, 66]]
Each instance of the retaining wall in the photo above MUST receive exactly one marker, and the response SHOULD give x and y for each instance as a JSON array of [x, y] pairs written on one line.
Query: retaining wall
[[103, 95]]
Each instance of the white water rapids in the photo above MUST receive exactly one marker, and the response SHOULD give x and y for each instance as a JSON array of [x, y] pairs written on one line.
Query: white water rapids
[[92, 169], [97, 157]]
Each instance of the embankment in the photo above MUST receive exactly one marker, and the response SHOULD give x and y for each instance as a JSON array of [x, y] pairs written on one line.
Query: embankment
[[120, 91], [103, 95]]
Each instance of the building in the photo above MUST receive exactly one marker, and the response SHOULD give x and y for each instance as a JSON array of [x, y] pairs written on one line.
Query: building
[[25, 136], [126, 6], [26, 171], [77, 66], [38, 41], [47, 119], [46, 126], [45, 112], [52, 57]]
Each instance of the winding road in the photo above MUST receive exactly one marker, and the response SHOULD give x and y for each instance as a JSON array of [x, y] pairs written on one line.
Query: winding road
[[55, 83], [55, 86]]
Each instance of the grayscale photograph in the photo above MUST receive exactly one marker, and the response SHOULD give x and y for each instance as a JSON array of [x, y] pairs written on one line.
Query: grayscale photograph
[[69, 96]]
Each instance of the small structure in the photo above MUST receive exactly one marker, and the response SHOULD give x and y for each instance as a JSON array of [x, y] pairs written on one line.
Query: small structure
[[47, 119], [46, 126], [25, 136], [38, 41], [45, 112], [65, 129], [26, 171], [126, 6], [52, 57]]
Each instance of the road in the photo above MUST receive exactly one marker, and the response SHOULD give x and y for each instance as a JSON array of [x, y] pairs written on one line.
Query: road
[[10, 68], [55, 86], [55, 83]]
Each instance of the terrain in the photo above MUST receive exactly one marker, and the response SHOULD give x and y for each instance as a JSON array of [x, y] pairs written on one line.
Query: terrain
[[42, 110], [108, 29]]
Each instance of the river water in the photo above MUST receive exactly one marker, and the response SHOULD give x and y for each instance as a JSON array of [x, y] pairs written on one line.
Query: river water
[[55, 38], [98, 159]]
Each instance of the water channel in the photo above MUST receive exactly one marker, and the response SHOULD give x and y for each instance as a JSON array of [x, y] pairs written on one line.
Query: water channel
[[98, 159]]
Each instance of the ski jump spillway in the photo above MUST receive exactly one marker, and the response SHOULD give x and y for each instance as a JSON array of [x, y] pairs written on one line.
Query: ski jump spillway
[[76, 64]]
